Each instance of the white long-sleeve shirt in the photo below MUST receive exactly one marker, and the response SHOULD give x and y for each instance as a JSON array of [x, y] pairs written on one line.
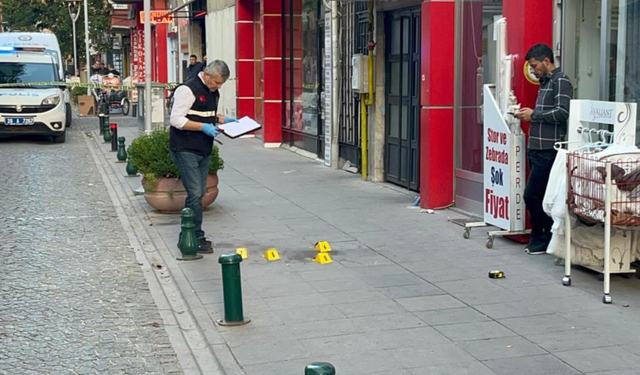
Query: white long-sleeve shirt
[[183, 100]]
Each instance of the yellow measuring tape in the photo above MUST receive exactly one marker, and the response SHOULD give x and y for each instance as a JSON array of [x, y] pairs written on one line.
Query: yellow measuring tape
[[169, 86]]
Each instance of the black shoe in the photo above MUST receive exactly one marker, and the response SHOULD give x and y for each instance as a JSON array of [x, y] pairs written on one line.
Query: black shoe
[[533, 240], [205, 246], [539, 246]]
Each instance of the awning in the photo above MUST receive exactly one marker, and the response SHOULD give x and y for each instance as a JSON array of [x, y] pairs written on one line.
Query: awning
[[179, 7]]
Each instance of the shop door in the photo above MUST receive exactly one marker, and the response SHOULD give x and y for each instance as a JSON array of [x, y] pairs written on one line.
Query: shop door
[[402, 141]]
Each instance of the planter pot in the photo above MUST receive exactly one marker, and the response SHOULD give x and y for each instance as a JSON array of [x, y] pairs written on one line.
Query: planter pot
[[170, 194]]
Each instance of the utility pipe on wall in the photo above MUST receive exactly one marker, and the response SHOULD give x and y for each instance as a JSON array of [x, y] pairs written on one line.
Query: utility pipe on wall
[[147, 66], [367, 99]]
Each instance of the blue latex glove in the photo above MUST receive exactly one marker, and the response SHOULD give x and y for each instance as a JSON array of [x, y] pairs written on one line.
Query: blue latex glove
[[228, 119], [210, 130]]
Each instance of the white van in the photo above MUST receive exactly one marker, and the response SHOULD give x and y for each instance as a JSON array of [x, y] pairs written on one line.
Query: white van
[[44, 42], [38, 110]]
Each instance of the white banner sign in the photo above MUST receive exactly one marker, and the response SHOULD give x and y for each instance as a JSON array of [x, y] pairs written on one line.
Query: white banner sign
[[504, 170]]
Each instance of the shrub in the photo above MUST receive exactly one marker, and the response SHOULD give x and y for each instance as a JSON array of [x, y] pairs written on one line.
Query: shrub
[[150, 154], [76, 91]]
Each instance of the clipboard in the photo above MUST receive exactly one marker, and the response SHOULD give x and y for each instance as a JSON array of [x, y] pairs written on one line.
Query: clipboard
[[241, 127]]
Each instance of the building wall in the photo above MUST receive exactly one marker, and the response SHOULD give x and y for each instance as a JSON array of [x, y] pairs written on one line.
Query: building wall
[[221, 45]]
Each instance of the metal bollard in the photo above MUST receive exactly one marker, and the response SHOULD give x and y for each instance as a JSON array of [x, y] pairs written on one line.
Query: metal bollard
[[188, 242], [232, 290], [122, 153], [132, 171], [107, 134], [114, 137], [319, 368], [101, 123], [105, 124]]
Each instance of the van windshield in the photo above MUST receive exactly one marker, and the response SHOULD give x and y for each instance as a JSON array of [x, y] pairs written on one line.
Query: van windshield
[[16, 72]]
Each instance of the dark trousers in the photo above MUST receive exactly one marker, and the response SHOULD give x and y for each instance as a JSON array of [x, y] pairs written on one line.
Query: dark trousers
[[540, 163], [194, 170]]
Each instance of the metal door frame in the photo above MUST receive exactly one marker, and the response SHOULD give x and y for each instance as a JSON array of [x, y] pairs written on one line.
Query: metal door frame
[[412, 170]]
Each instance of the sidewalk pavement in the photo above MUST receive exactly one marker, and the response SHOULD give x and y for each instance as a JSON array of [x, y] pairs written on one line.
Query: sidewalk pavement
[[405, 294]]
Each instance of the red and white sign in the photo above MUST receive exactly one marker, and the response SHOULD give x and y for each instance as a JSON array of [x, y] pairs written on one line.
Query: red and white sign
[[504, 170], [137, 60], [157, 16]]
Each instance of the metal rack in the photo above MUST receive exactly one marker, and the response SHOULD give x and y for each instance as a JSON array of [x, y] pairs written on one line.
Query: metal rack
[[598, 192]]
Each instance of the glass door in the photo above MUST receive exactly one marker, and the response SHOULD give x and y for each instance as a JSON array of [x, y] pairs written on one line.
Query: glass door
[[601, 48], [475, 66]]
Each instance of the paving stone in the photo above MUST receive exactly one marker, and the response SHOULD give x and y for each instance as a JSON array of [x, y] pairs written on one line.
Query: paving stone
[[70, 279], [451, 316], [430, 303], [502, 347], [532, 365], [474, 331], [599, 359]]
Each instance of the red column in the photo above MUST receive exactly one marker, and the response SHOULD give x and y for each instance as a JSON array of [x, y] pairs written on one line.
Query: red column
[[161, 53], [529, 22], [436, 97], [245, 59], [271, 25]]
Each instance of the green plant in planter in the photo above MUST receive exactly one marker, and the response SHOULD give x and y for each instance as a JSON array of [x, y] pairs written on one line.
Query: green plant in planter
[[76, 91], [150, 154]]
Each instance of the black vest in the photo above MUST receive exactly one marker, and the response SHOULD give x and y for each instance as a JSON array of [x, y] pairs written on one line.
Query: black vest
[[197, 142]]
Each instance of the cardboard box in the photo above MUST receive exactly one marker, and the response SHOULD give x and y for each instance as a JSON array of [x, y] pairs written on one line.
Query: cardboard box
[[86, 105]]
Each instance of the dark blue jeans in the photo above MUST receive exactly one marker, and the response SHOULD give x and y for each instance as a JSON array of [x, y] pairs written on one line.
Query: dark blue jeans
[[540, 163], [194, 170]]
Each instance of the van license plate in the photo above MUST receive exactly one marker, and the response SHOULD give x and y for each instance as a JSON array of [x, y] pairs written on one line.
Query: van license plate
[[19, 121]]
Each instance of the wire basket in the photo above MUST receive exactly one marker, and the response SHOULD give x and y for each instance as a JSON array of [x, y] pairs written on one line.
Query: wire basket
[[587, 187]]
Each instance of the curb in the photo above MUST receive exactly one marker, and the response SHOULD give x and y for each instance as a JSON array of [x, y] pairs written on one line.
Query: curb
[[191, 331]]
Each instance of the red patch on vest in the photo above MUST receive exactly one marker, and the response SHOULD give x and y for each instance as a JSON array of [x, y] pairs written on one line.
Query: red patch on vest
[[202, 98]]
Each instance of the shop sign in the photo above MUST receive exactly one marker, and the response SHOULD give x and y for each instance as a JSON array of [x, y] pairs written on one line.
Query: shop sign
[[137, 60], [504, 169], [328, 85], [157, 16]]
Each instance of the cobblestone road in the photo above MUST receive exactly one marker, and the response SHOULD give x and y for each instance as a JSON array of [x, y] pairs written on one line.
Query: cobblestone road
[[73, 298]]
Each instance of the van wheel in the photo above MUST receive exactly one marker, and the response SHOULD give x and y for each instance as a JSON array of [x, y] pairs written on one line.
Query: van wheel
[[67, 122], [60, 138]]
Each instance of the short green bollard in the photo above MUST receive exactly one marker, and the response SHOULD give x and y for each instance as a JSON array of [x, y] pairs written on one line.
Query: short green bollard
[[232, 290], [132, 171], [188, 242], [122, 153], [319, 368]]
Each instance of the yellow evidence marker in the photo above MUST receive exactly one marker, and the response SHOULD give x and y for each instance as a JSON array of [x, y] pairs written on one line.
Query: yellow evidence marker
[[243, 252], [322, 258], [272, 254], [323, 247]]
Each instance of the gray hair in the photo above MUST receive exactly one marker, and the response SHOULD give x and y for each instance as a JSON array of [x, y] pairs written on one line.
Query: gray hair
[[218, 67]]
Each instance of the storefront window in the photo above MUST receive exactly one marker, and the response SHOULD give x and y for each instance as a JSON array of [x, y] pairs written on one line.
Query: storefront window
[[477, 67], [302, 42]]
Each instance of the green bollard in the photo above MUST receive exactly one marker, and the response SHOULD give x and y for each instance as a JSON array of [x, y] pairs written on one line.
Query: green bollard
[[107, 135], [232, 290], [122, 153], [319, 368], [188, 242], [132, 171]]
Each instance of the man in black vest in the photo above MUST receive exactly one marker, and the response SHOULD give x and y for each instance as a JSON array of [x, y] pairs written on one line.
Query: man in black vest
[[194, 116]]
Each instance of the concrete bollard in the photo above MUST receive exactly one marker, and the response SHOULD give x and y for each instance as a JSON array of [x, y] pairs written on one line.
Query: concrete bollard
[[188, 242], [319, 368], [122, 153], [232, 290], [114, 136]]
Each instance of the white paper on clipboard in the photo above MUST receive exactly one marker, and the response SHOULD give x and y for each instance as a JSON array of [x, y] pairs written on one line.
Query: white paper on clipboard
[[243, 126]]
